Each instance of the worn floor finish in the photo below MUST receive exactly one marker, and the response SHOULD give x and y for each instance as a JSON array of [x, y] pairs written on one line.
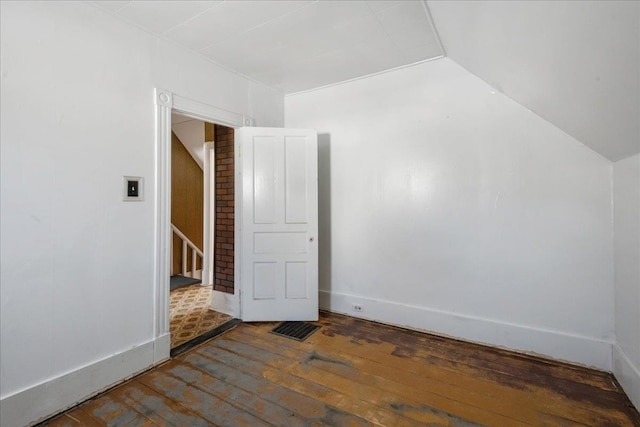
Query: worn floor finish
[[355, 373]]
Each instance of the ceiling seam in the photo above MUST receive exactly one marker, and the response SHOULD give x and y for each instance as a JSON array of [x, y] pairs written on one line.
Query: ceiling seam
[[433, 26], [333, 49], [375, 15], [111, 12], [257, 26], [166, 39], [377, 73], [213, 6]]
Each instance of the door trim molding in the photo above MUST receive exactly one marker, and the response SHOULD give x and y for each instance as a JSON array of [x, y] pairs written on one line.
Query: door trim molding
[[166, 102], [209, 206], [162, 219]]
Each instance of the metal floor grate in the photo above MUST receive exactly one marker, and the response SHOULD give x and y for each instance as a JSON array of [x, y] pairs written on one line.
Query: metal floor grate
[[296, 330]]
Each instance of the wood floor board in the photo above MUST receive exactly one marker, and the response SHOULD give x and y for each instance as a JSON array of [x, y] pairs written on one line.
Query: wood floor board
[[367, 399], [345, 374], [157, 407], [308, 399], [409, 372], [588, 404], [226, 364], [73, 418], [585, 388], [111, 411], [356, 373], [555, 420], [431, 388], [474, 355], [208, 406], [518, 400], [269, 402]]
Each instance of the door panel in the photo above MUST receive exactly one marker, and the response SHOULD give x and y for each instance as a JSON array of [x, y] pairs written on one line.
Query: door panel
[[296, 280], [295, 181], [284, 243], [264, 280], [279, 224], [264, 180]]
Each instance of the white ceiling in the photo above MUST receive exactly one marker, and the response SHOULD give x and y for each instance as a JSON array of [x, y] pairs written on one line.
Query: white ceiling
[[574, 63], [191, 133], [292, 45]]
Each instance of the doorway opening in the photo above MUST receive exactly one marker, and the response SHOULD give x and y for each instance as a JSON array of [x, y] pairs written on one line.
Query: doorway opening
[[202, 229], [167, 103]]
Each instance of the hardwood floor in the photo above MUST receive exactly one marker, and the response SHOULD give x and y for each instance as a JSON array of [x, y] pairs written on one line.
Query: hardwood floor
[[351, 373]]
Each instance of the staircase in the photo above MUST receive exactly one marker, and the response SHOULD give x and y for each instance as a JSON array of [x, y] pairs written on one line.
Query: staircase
[[187, 246]]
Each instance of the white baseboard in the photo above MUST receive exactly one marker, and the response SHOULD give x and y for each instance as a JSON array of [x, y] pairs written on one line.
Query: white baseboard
[[225, 303], [627, 374], [206, 276], [162, 348], [58, 394], [555, 344]]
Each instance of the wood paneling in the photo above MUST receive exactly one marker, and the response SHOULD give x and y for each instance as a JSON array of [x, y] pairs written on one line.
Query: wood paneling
[[209, 132], [353, 372], [187, 193]]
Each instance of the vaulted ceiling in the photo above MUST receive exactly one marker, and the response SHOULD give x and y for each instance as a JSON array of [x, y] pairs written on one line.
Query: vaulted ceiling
[[574, 63]]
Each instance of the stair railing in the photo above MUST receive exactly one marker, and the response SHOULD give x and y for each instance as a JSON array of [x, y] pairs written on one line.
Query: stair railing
[[195, 252]]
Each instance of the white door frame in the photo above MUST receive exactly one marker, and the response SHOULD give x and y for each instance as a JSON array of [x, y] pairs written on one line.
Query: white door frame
[[166, 102], [209, 207]]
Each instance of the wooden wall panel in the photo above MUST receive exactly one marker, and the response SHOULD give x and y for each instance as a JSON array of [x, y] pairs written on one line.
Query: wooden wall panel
[[187, 193], [209, 132]]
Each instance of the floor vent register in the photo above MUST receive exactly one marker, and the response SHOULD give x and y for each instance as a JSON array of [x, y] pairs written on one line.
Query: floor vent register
[[295, 330]]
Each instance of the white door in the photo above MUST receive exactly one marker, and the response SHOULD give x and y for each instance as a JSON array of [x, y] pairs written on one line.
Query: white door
[[278, 224]]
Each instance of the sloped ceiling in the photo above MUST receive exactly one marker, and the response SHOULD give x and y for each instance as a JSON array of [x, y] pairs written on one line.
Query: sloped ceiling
[[574, 63], [292, 45], [191, 133]]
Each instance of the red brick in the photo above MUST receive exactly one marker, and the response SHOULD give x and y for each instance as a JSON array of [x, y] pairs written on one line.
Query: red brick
[[224, 199]]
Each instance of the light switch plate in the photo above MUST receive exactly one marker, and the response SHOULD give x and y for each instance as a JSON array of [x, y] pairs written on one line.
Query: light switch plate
[[133, 188]]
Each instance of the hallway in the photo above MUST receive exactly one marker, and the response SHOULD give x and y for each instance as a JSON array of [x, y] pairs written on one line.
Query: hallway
[[190, 315]]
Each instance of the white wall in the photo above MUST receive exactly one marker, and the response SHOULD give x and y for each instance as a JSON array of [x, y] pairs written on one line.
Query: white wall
[[448, 207], [78, 113], [626, 199]]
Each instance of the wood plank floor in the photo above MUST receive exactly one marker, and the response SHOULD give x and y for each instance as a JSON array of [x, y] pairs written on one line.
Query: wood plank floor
[[354, 373]]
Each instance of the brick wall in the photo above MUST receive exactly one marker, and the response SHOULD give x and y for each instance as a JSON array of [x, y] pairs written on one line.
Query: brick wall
[[225, 205]]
